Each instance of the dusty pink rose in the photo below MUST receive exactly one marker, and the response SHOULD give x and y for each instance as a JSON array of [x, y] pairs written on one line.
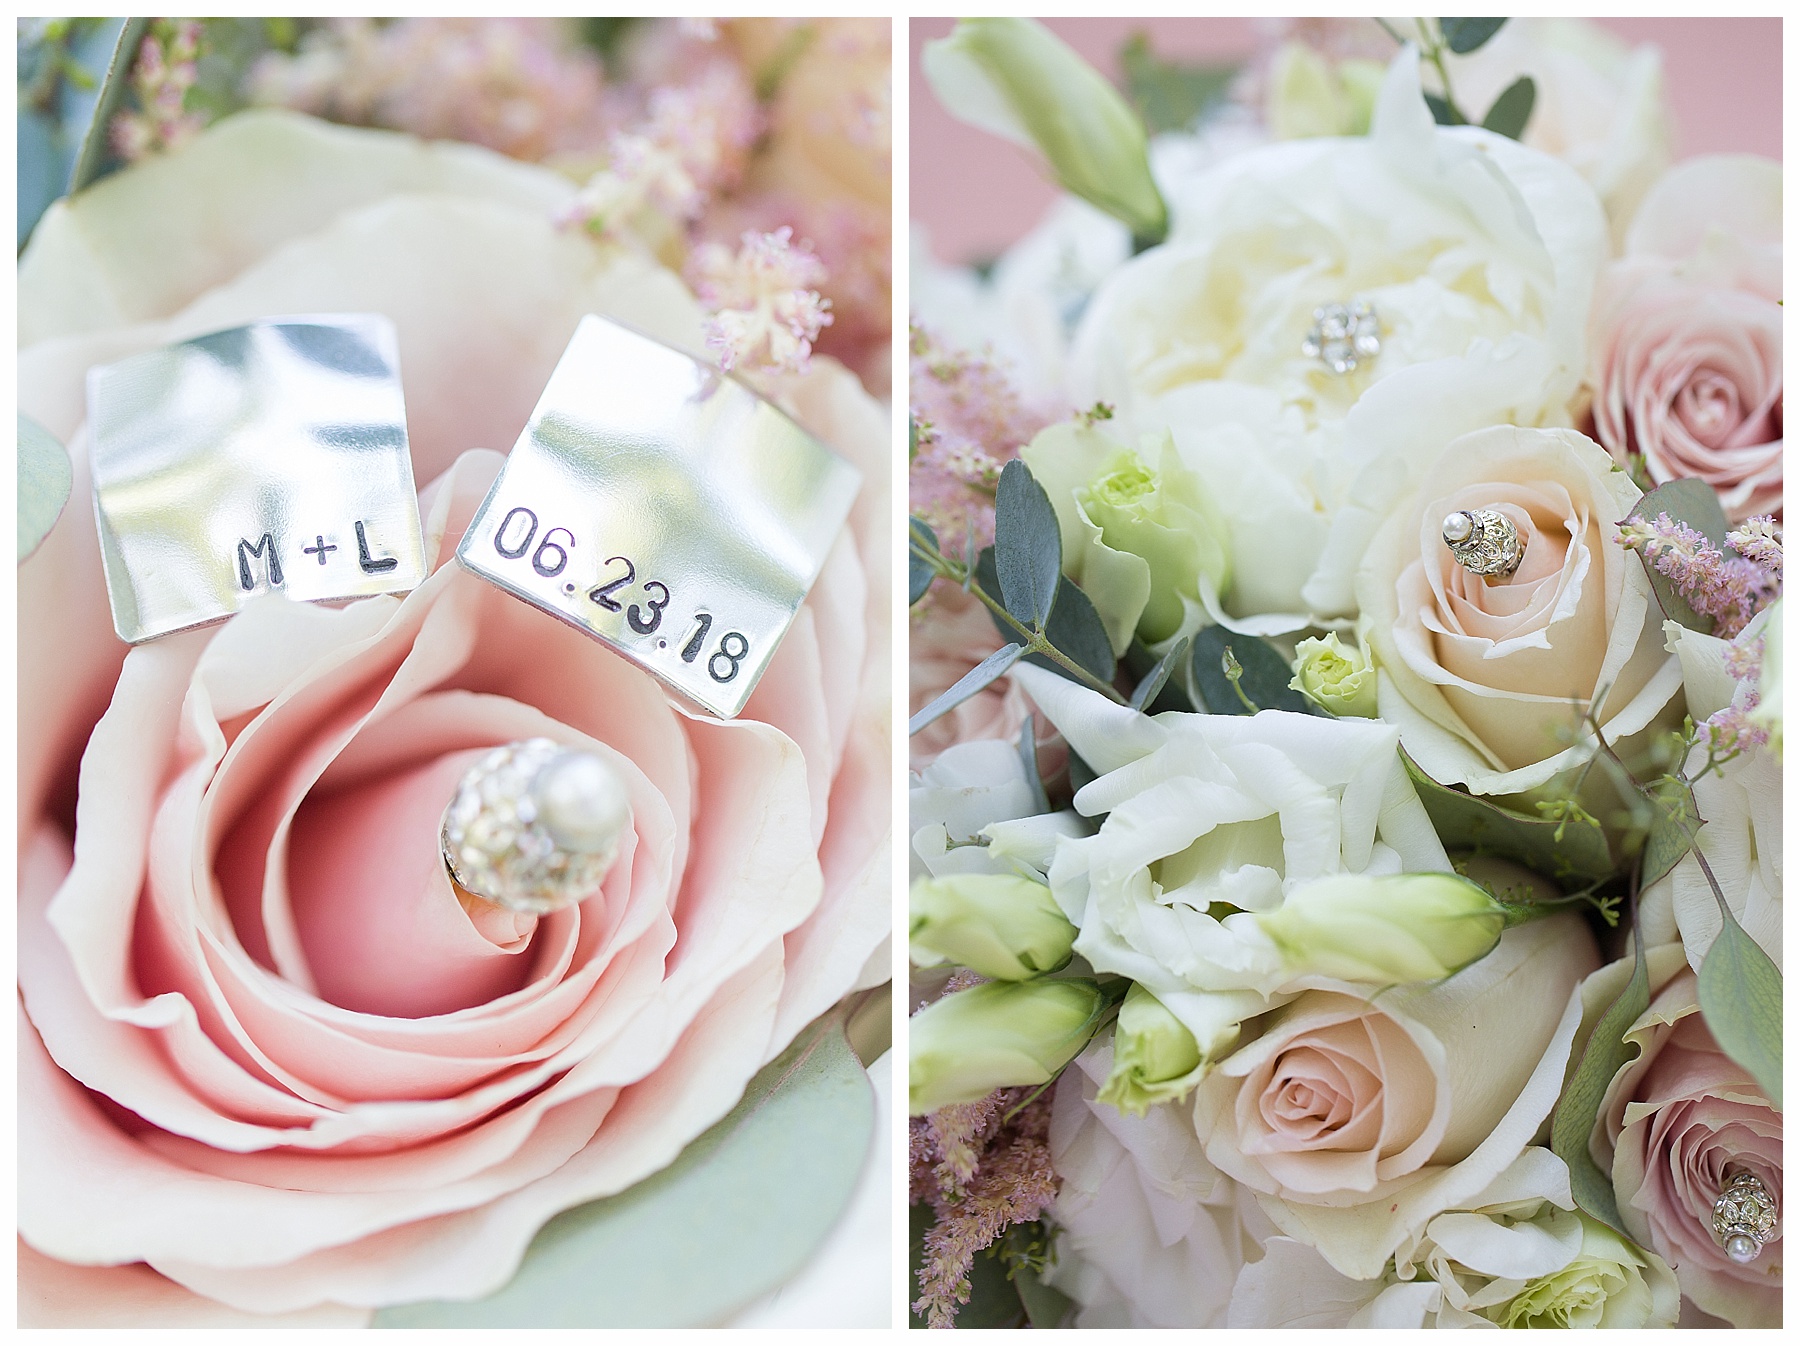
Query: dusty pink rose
[[1673, 1121], [951, 633], [1687, 334], [267, 1061]]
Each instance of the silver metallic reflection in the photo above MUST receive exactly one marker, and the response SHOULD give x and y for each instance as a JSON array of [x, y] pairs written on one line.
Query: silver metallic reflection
[[664, 508], [267, 457]]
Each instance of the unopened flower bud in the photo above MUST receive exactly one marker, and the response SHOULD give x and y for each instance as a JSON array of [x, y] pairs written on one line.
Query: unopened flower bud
[[998, 1034], [1000, 925], [1337, 676], [1015, 78], [1155, 1057], [1385, 930]]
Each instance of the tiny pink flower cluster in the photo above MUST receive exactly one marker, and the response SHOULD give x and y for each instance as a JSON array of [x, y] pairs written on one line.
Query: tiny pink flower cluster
[[1731, 588], [167, 67], [766, 310]]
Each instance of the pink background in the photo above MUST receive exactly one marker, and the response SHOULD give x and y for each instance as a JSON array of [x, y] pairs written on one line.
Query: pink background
[[976, 193]]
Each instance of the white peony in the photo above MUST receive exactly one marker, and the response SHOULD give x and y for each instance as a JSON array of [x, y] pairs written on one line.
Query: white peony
[[1477, 254]]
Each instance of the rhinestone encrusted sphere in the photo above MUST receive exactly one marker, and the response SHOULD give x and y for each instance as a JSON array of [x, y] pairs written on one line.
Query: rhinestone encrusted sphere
[[499, 844], [1743, 1217], [1343, 336]]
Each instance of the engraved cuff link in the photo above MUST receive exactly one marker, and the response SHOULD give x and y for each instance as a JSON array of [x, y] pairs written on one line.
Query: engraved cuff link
[[271, 456], [665, 509]]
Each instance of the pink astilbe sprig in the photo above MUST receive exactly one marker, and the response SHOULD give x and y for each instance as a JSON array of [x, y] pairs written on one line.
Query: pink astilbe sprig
[[968, 422], [983, 1167], [767, 310], [1733, 729], [1730, 587], [691, 145], [167, 66]]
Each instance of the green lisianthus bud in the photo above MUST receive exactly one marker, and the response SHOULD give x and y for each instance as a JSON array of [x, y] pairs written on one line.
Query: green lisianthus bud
[[1385, 930], [1139, 533], [1609, 1283], [999, 925], [1017, 79], [1308, 96], [1001, 1033], [1337, 676], [1155, 1058]]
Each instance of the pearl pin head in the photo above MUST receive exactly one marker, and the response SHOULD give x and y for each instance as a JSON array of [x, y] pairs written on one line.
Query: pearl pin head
[[1484, 542]]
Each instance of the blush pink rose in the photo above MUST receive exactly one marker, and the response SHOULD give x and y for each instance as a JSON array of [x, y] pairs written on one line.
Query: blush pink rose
[[268, 1063], [951, 633], [1686, 341], [1673, 1120]]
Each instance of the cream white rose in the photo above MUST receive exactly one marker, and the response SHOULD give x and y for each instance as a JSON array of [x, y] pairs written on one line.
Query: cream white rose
[[1204, 811], [1484, 679], [1359, 1120], [1151, 1233], [1477, 254]]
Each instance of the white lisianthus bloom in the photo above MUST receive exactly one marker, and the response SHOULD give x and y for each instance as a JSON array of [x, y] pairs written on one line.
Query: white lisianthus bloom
[[1599, 108], [1478, 257], [1151, 1234], [1202, 810], [1517, 1256], [967, 786]]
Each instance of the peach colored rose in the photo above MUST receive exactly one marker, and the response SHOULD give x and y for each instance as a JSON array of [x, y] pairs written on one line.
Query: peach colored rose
[[951, 633], [265, 1055], [1673, 1120], [1483, 677], [1686, 341], [1360, 1119]]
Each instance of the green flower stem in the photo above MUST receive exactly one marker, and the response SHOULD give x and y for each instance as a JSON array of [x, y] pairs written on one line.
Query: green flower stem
[[1031, 637]]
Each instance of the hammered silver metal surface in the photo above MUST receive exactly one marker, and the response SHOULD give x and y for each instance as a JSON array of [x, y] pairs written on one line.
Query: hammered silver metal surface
[[266, 457], [664, 508], [497, 847]]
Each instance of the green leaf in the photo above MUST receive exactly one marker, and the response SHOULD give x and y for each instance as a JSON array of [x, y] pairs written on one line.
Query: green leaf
[[1027, 545], [1264, 679], [1145, 693], [1740, 996], [1463, 36], [45, 479], [1075, 627], [919, 571], [990, 668], [1045, 1306], [1512, 109], [1606, 1053], [1672, 832], [1468, 822], [738, 1213], [1028, 759], [1444, 112], [96, 157], [1692, 502], [1168, 96]]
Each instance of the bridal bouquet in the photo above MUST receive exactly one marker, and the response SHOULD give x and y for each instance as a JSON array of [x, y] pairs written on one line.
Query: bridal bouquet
[[273, 1069], [1346, 568]]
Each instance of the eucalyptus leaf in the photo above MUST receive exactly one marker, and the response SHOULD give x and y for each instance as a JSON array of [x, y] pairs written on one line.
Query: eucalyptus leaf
[[1573, 1122], [1444, 112], [1468, 822], [738, 1213], [1694, 503], [1045, 1306], [1080, 773], [1027, 545], [990, 668], [1264, 680], [1028, 759], [45, 479], [1075, 627], [919, 571], [1512, 109], [1148, 688], [1740, 996], [1463, 36], [96, 158], [1167, 95], [1672, 832]]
